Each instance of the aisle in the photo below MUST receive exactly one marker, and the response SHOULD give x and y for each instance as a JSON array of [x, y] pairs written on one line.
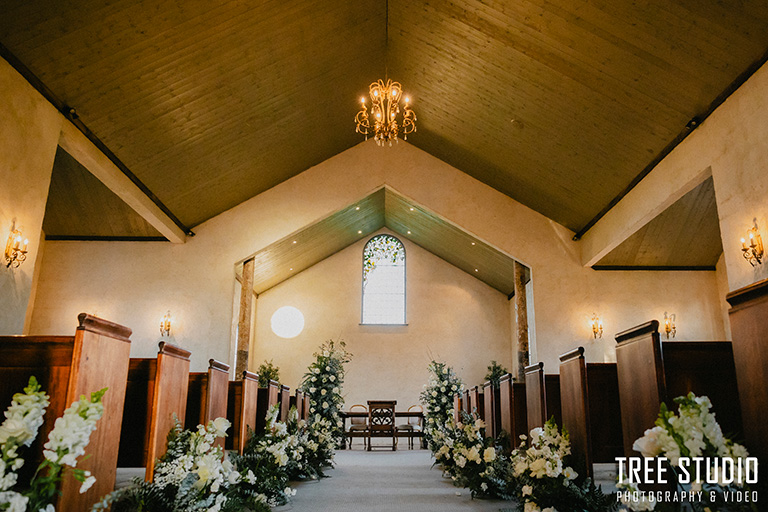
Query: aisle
[[386, 481]]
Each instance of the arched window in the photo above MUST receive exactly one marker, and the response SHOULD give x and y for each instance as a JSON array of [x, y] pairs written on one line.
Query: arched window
[[384, 281]]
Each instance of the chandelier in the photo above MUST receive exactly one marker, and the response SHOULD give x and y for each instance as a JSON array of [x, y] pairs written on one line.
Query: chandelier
[[385, 107]]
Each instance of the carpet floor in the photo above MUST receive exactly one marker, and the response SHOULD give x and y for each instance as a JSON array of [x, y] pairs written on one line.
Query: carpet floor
[[386, 481]]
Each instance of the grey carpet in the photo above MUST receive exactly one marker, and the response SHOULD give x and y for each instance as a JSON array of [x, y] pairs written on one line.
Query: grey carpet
[[386, 481]]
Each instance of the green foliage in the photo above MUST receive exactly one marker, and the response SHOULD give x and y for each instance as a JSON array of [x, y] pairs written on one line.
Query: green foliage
[[268, 371], [323, 384], [495, 373]]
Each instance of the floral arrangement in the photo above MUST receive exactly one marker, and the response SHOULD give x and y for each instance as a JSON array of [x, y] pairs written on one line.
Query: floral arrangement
[[190, 476], [437, 399], [471, 459], [315, 446], [323, 383], [66, 442], [382, 248], [693, 432], [541, 480], [495, 373], [268, 371]]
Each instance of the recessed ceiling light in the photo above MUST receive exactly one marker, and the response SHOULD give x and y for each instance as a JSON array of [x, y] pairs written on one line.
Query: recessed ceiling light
[[475, 270], [357, 208], [411, 208], [294, 241], [290, 268], [409, 232], [359, 232], [473, 243]]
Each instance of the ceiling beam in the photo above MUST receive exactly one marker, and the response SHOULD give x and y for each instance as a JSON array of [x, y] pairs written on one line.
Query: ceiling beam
[[74, 142]]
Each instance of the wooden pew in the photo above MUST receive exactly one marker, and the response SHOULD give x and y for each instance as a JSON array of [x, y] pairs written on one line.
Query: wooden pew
[[458, 406], [285, 402], [268, 397], [542, 396], [491, 409], [307, 405], [651, 372], [156, 391], [242, 407], [207, 395], [749, 328], [297, 401], [476, 404], [591, 409], [466, 403], [66, 368], [513, 410]]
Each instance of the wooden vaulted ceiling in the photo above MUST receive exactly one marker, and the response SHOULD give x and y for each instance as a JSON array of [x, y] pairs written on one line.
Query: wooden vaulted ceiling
[[558, 104], [384, 208]]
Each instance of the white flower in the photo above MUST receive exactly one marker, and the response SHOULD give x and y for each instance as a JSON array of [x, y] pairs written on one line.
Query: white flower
[[484, 486], [570, 474], [72, 431], [221, 425], [527, 490], [323, 392], [16, 502], [649, 445], [332, 378], [489, 455], [88, 482]]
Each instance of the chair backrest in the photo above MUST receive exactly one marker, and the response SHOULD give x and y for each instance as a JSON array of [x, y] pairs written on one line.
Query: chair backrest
[[381, 414], [413, 420], [358, 408]]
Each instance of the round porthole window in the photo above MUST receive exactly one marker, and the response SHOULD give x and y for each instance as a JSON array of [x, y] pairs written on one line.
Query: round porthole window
[[287, 322]]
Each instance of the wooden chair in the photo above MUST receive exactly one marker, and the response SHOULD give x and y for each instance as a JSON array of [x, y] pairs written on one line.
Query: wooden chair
[[492, 409], [591, 409], [749, 328], [542, 396], [413, 427], [285, 402], [358, 427], [67, 367], [242, 405], [476, 402], [156, 392], [268, 397], [513, 409], [381, 421], [651, 372], [207, 395]]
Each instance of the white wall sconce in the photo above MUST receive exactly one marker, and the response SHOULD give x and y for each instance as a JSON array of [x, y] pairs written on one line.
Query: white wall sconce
[[752, 246], [15, 249], [670, 329], [597, 326], [165, 325]]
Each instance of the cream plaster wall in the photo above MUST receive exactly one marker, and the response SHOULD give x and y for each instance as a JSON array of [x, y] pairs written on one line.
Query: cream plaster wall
[[731, 146], [451, 317], [135, 283], [29, 132]]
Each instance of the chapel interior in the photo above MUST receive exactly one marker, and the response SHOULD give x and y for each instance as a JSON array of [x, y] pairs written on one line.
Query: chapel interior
[[577, 169]]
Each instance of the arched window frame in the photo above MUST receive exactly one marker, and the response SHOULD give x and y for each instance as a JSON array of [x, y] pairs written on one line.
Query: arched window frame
[[368, 265]]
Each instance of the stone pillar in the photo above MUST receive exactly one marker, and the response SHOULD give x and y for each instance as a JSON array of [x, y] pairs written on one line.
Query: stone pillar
[[521, 311], [244, 319]]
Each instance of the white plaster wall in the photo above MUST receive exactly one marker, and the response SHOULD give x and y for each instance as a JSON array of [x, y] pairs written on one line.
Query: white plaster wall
[[451, 316], [29, 132], [135, 283]]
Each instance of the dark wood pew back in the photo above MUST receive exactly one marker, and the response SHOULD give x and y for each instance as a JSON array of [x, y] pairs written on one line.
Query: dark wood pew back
[[476, 403], [297, 401], [542, 393], [68, 367], [492, 409], [651, 372], [749, 329], [305, 408], [466, 403], [590, 408], [268, 397], [242, 407], [169, 399], [513, 410], [207, 394], [285, 402]]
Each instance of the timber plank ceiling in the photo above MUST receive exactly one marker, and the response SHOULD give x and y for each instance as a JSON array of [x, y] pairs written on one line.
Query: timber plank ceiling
[[558, 104]]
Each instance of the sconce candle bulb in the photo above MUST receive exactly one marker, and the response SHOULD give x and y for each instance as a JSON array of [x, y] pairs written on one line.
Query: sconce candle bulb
[[15, 249], [165, 325], [597, 326], [753, 252], [669, 325]]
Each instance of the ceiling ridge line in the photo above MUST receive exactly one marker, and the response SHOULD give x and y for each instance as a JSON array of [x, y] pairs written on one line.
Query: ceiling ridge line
[[694, 123], [71, 115]]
